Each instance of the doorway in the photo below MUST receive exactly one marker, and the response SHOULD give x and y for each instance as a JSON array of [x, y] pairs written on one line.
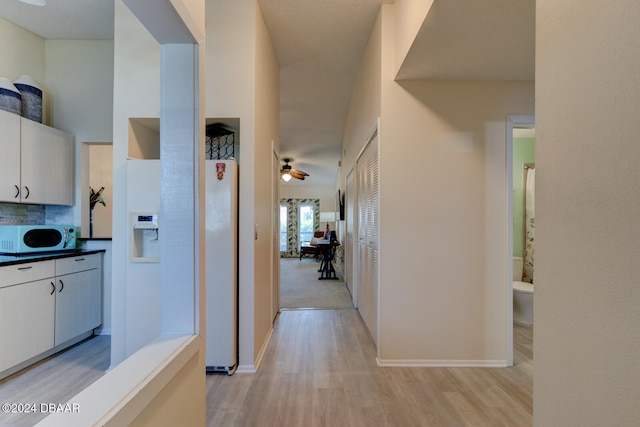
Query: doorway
[[300, 287], [520, 159], [96, 199]]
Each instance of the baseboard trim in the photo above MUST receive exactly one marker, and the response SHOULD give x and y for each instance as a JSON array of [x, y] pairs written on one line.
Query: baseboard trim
[[252, 369], [418, 363], [246, 369], [263, 350]]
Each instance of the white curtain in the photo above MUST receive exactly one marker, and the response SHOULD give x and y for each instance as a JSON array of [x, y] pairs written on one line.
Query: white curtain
[[529, 218]]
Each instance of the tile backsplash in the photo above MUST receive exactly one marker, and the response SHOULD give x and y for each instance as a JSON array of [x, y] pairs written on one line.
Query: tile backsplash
[[15, 214], [59, 215]]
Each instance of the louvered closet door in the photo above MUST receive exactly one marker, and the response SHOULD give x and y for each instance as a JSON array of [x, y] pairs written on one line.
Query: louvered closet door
[[349, 235], [367, 170]]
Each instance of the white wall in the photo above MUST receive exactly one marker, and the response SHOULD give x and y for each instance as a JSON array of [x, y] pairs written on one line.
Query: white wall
[[230, 92], [443, 257], [267, 134], [411, 13], [243, 82], [587, 321], [327, 195], [136, 93], [79, 83], [23, 52]]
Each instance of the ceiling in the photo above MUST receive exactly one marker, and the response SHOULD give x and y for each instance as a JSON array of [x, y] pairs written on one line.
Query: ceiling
[[474, 40], [319, 45], [63, 19]]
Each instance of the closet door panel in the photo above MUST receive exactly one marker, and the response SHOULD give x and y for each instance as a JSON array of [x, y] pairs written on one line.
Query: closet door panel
[[367, 185]]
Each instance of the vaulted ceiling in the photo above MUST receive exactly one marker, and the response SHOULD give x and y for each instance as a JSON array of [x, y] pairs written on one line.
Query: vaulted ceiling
[[319, 45]]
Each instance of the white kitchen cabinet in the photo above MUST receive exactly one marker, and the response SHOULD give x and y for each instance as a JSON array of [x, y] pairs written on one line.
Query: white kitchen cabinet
[[39, 166], [46, 161], [78, 296], [27, 310], [46, 306], [10, 163]]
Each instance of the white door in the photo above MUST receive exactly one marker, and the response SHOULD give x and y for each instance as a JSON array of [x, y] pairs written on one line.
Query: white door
[[367, 172]]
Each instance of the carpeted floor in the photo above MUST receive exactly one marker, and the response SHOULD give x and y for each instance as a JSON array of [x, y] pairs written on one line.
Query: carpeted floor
[[300, 287]]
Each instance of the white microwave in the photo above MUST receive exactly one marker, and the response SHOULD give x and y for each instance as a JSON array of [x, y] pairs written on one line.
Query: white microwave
[[27, 239]]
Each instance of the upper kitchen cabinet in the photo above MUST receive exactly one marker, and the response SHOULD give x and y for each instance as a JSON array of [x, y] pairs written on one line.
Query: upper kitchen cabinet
[[47, 164], [38, 167], [10, 163]]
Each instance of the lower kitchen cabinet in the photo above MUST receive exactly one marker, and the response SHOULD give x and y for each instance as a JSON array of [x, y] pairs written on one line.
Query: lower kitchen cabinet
[[78, 298], [26, 329], [45, 305]]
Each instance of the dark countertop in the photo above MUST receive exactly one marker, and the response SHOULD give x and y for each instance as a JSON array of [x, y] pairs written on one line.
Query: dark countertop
[[7, 259]]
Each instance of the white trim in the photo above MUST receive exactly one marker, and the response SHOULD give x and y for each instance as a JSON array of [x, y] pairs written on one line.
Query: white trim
[[373, 135], [252, 369], [246, 369], [420, 363]]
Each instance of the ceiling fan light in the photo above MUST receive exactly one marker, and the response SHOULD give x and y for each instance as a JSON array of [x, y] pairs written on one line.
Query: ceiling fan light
[[34, 2], [286, 177]]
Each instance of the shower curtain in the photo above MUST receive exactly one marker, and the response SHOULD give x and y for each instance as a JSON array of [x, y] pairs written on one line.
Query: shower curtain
[[529, 220]]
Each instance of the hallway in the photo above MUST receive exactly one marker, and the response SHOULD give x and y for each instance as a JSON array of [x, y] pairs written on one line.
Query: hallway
[[319, 370]]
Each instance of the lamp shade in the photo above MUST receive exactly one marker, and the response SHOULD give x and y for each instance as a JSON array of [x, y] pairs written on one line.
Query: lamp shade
[[327, 217]]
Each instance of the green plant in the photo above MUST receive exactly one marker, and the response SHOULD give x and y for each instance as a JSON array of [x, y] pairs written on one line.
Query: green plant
[[96, 197]]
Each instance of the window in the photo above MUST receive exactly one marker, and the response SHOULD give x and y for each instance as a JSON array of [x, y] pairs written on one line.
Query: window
[[305, 223], [283, 228], [298, 219]]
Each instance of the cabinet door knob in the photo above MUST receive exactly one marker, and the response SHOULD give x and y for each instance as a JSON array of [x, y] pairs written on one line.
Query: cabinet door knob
[[26, 188], [53, 288], [17, 191], [61, 286]]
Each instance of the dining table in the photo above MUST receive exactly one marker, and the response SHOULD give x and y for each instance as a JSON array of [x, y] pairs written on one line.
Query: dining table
[[328, 250]]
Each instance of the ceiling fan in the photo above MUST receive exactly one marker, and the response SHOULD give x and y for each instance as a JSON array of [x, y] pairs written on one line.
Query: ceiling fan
[[287, 172]]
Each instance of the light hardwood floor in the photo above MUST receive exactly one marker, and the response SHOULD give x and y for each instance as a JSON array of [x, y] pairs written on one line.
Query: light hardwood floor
[[55, 379], [319, 370]]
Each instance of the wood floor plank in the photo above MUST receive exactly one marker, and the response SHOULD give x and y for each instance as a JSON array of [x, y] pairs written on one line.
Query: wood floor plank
[[55, 379], [319, 370]]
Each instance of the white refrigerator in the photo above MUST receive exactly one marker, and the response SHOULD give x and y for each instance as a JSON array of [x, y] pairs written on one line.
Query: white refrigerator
[[221, 205], [221, 265]]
